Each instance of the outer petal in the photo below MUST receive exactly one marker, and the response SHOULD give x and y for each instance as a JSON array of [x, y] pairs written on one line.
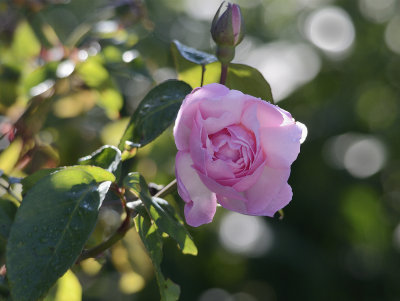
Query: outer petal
[[271, 115], [281, 200], [227, 196], [189, 109], [281, 144], [200, 202], [222, 112], [266, 190]]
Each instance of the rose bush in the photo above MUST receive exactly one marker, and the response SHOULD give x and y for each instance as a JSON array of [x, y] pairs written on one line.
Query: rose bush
[[235, 150]]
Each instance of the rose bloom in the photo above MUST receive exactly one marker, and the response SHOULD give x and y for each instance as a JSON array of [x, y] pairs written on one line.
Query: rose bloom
[[235, 150]]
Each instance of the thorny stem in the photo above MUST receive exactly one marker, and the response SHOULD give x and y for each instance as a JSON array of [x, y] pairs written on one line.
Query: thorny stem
[[224, 73]]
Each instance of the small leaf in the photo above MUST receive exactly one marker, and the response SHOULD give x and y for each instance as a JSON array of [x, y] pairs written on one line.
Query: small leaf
[[192, 55], [162, 216], [7, 213], [51, 227], [107, 157], [152, 240], [155, 113]]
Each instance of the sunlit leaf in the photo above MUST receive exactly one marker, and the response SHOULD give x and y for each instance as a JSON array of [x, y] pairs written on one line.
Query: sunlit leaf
[[93, 72], [111, 101], [9, 157], [163, 215], [50, 229], [75, 104], [25, 45], [68, 288], [107, 157], [155, 113], [98, 173]]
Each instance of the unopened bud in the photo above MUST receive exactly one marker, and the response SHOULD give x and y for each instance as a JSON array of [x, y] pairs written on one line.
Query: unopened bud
[[227, 30]]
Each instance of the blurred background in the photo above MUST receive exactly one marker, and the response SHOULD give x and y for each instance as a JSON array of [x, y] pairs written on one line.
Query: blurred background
[[76, 70]]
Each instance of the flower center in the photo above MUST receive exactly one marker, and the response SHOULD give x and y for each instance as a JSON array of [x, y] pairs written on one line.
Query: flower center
[[233, 144]]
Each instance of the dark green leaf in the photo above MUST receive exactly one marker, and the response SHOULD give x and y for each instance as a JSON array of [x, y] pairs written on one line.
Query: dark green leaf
[[192, 55], [51, 227], [152, 240], [107, 157], [155, 113], [161, 214], [7, 213]]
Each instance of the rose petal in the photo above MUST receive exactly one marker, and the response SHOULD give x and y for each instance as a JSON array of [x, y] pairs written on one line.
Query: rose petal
[[219, 114], [189, 109], [283, 198], [200, 202], [265, 191], [270, 115], [226, 196], [281, 145]]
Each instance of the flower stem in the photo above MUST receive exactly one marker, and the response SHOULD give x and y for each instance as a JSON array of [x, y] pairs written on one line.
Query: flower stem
[[203, 70], [224, 73]]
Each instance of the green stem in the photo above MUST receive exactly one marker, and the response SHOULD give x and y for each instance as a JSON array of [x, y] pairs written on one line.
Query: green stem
[[224, 74], [203, 70]]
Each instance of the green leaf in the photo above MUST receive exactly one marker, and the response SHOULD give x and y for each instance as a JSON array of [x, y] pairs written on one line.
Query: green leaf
[[99, 173], [9, 157], [107, 157], [67, 288], [51, 227], [192, 55], [248, 80], [155, 113], [111, 100], [7, 213], [163, 215], [152, 240], [29, 181], [25, 45], [240, 77]]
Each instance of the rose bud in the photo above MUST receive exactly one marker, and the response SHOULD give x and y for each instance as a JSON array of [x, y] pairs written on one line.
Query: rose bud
[[235, 150], [227, 30]]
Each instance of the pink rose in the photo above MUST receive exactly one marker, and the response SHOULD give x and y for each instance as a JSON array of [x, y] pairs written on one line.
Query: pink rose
[[235, 150]]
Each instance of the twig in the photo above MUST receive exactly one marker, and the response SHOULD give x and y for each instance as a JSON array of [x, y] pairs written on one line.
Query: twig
[[166, 190]]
